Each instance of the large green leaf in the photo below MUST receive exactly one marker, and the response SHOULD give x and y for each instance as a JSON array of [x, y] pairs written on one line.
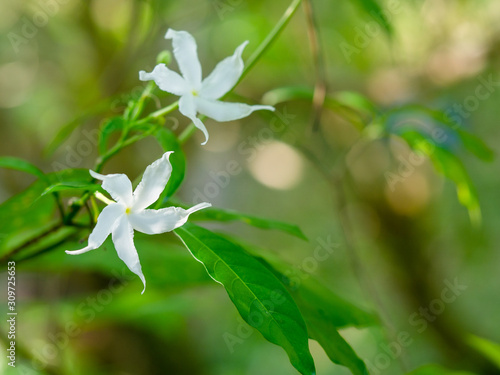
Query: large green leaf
[[324, 313], [21, 165], [168, 141], [260, 298], [219, 214], [308, 291]]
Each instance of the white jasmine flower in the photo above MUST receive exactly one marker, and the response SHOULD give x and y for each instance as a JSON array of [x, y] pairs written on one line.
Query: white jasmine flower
[[128, 212], [197, 96]]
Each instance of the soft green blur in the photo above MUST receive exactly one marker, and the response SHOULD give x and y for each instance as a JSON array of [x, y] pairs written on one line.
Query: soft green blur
[[81, 64]]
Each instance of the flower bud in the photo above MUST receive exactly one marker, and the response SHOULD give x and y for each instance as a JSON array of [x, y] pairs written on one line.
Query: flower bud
[[164, 57]]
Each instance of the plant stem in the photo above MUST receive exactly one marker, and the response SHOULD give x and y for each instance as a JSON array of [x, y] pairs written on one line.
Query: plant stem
[[159, 113], [319, 66], [140, 103], [32, 241], [271, 37]]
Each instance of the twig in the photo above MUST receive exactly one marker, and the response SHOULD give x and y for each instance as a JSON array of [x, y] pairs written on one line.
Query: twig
[[320, 86]]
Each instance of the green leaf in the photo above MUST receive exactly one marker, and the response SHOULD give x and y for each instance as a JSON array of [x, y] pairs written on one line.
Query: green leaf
[[72, 185], [374, 9], [336, 348], [323, 311], [489, 348], [109, 127], [260, 298], [470, 142], [451, 167], [476, 146], [356, 101], [168, 141], [219, 214], [21, 165], [437, 370], [68, 129]]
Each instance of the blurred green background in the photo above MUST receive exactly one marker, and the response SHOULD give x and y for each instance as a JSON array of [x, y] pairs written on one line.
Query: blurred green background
[[64, 61]]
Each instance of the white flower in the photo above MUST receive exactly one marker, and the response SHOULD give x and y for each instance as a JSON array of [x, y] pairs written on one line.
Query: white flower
[[197, 96], [128, 212]]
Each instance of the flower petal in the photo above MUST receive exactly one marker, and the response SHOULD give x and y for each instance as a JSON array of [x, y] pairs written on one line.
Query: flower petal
[[123, 238], [117, 185], [166, 79], [164, 220], [224, 76], [188, 108], [186, 56], [105, 223], [153, 182], [225, 111]]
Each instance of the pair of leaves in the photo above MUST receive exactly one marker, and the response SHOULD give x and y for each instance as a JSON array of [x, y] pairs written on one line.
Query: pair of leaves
[[255, 288], [325, 313]]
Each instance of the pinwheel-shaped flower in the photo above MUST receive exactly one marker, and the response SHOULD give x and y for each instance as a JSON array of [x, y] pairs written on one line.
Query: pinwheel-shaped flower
[[197, 96], [129, 212]]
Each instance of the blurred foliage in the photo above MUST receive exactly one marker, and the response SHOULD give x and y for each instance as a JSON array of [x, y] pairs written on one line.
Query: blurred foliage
[[411, 90]]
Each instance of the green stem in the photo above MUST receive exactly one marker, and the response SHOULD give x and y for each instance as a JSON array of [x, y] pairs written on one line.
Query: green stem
[[159, 113], [271, 37], [140, 103], [187, 133], [319, 67]]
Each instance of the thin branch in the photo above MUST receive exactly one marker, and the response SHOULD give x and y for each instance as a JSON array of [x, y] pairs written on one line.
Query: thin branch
[[10, 254], [320, 86]]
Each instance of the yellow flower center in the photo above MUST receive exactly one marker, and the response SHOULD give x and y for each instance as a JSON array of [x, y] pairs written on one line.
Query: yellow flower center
[[194, 92], [127, 211]]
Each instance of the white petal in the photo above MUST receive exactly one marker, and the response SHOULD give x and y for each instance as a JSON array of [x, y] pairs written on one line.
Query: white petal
[[225, 111], [105, 223], [166, 79], [153, 182], [224, 76], [123, 238], [186, 56], [188, 108], [164, 220], [117, 185]]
